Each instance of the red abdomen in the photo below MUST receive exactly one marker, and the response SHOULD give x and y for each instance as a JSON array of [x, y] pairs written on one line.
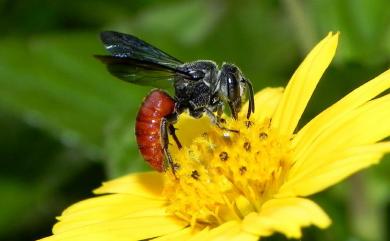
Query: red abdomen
[[157, 105]]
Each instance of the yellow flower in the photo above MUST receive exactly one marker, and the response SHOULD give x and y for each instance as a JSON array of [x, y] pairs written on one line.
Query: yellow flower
[[246, 185]]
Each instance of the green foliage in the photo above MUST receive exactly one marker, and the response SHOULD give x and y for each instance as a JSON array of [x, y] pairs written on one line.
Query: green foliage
[[66, 124]]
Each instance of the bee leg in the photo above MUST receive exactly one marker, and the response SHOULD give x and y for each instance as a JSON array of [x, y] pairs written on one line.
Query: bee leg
[[219, 114], [172, 131], [217, 121], [165, 127], [172, 119]]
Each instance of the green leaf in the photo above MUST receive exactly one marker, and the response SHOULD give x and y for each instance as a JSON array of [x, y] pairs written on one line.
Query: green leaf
[[16, 200], [55, 83], [122, 157], [363, 26], [187, 22]]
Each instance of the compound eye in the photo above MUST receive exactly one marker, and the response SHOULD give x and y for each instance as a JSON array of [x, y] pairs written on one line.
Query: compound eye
[[233, 88], [234, 95]]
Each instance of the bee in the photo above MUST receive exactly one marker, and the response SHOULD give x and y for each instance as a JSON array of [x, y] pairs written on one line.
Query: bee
[[200, 87]]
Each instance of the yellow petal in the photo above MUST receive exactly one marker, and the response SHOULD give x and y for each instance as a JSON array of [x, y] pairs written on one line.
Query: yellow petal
[[184, 234], [147, 184], [366, 124], [306, 136], [201, 235], [242, 236], [229, 231], [334, 169], [98, 209], [302, 84], [122, 229], [266, 101], [214, 233], [287, 216]]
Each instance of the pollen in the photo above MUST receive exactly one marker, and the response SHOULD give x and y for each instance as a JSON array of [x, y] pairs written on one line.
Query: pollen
[[224, 175]]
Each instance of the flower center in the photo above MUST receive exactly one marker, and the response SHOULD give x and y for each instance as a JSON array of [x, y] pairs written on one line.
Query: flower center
[[224, 175]]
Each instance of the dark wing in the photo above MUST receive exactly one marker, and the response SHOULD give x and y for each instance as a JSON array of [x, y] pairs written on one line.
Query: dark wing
[[125, 45], [136, 61], [141, 72]]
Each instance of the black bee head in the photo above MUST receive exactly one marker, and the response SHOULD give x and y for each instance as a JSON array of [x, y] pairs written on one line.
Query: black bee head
[[231, 87]]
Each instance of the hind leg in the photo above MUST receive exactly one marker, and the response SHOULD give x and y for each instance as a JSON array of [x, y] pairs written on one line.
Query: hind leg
[[167, 128], [172, 132]]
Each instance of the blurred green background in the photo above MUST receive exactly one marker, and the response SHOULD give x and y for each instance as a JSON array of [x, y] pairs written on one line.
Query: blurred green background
[[66, 125]]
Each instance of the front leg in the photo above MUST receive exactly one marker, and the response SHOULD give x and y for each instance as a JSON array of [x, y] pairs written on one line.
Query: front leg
[[216, 120], [220, 112], [217, 106]]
